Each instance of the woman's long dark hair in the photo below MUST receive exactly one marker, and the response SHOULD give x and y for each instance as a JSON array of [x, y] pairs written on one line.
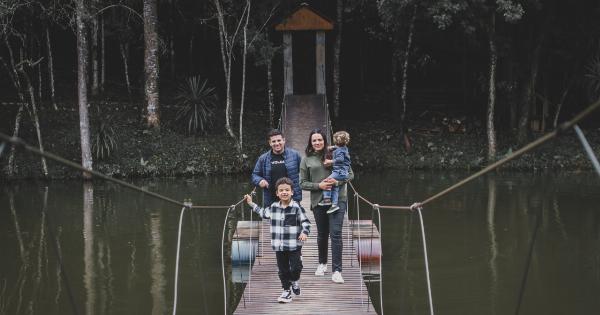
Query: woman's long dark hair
[[309, 148]]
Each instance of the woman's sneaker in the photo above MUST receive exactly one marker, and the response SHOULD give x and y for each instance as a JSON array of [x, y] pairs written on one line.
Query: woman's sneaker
[[296, 287], [321, 270], [285, 297], [333, 209], [337, 277]]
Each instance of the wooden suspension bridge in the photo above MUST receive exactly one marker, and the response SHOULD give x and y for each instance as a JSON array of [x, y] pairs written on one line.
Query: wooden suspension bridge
[[319, 294]]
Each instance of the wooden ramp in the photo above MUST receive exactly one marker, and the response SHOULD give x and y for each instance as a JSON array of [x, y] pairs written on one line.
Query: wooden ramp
[[319, 295], [303, 114]]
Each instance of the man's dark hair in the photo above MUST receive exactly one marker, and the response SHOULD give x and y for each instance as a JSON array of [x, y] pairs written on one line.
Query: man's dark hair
[[272, 133], [284, 180]]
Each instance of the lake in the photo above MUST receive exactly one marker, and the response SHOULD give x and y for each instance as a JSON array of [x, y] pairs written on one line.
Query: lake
[[118, 247]]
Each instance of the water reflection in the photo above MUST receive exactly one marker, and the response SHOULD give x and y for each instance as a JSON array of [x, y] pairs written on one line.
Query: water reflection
[[157, 264], [89, 276], [119, 255], [491, 210]]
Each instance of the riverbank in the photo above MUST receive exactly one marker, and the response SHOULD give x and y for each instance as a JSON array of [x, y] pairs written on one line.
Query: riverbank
[[172, 153]]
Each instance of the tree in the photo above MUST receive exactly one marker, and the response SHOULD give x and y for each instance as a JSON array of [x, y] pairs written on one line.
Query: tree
[[16, 27], [151, 65], [82, 18], [393, 15], [336, 57], [481, 16]]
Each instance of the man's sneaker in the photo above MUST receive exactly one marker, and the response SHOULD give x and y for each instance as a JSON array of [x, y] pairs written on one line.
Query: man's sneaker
[[296, 287], [285, 297], [321, 270], [337, 277], [325, 202], [333, 209]]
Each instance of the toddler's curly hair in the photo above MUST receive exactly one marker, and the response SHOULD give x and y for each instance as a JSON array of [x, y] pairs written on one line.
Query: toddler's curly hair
[[341, 138]]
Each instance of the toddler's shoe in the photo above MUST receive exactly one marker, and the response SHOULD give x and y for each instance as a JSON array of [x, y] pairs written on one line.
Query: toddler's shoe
[[325, 202], [333, 209]]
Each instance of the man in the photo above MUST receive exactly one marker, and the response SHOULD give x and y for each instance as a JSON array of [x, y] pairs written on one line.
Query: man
[[274, 164]]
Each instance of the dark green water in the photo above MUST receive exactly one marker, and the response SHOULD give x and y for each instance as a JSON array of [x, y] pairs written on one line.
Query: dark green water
[[119, 247]]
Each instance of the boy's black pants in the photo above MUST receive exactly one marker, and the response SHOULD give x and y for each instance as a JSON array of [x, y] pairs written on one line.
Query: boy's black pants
[[290, 266]]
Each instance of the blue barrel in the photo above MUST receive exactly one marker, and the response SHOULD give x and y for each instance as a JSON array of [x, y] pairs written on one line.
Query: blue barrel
[[243, 251]]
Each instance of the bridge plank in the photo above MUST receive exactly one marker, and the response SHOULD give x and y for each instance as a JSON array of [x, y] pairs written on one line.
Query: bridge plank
[[319, 295]]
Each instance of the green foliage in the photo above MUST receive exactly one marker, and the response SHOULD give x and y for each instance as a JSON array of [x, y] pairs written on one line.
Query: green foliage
[[104, 140], [592, 75], [197, 101]]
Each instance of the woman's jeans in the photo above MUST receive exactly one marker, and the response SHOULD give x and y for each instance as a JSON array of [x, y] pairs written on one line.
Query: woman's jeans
[[330, 225]]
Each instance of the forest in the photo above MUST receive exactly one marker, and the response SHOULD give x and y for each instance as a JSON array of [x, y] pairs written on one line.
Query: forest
[[146, 81]]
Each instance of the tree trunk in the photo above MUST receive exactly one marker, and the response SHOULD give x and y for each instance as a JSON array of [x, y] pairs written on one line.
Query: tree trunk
[[529, 90], [491, 130], [270, 93], [14, 76], [94, 55], [39, 79], [172, 55], [394, 70], [563, 97], [336, 58], [102, 55], [243, 93], [190, 66], [151, 62], [124, 48], [82, 73], [405, 66], [51, 68], [11, 168], [226, 59], [34, 116], [171, 26]]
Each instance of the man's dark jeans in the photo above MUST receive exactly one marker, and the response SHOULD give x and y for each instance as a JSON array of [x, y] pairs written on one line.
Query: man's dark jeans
[[330, 225], [290, 266]]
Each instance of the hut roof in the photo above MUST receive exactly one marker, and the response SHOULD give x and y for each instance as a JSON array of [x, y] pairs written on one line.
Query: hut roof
[[305, 18]]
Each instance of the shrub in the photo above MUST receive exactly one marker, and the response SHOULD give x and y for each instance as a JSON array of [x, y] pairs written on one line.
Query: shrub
[[197, 101]]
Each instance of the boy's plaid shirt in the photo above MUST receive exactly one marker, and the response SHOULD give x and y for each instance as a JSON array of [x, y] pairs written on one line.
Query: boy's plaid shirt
[[286, 224]]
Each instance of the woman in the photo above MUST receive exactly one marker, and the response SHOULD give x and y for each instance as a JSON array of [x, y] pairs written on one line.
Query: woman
[[313, 177]]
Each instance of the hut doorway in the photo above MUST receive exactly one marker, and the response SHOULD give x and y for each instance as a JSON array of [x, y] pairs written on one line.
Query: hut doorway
[[304, 62]]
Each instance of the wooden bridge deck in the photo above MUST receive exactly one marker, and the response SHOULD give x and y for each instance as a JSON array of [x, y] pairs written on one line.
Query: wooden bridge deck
[[319, 295]]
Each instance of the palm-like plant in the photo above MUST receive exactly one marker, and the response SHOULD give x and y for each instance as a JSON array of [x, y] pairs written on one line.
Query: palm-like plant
[[197, 101], [593, 77], [103, 143]]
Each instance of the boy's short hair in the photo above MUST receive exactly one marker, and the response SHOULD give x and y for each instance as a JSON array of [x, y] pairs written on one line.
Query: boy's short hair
[[272, 133], [283, 180], [341, 138]]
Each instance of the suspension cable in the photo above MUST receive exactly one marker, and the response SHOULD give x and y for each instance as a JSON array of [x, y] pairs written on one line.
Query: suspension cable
[[588, 149], [223, 260], [532, 145], [538, 221], [22, 144], [177, 261], [426, 261], [380, 254]]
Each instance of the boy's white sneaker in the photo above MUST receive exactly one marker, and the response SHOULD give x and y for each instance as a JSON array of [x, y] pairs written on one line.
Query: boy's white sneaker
[[337, 277], [285, 297], [321, 270]]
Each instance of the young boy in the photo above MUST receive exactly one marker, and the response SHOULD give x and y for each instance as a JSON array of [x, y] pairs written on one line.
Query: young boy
[[341, 167], [289, 228]]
